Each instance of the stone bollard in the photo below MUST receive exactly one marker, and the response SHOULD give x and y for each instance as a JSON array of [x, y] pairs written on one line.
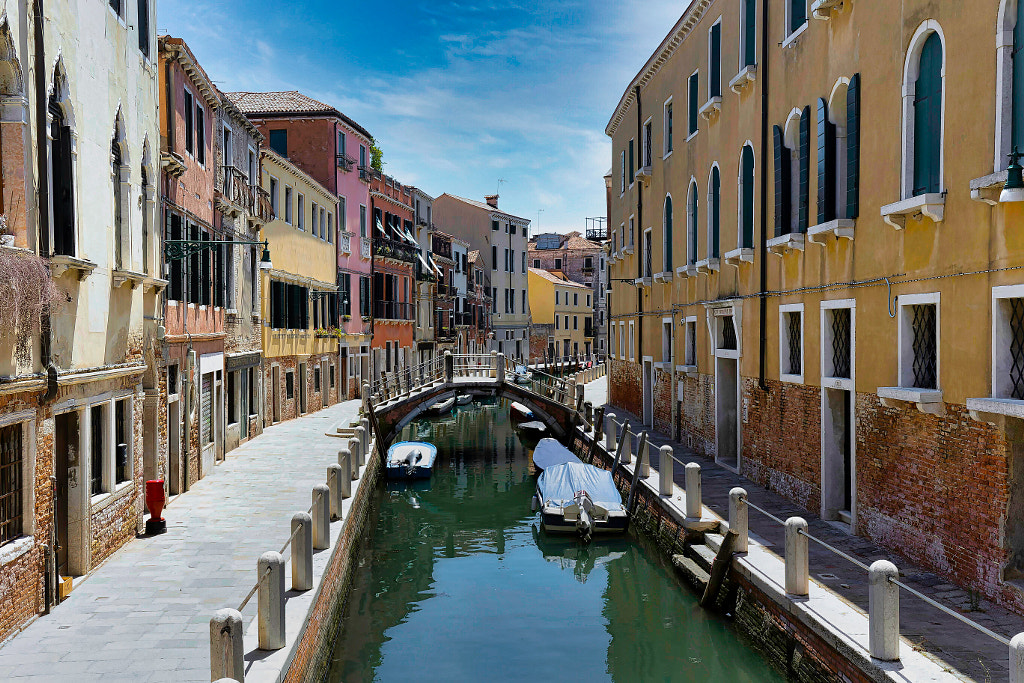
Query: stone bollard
[[321, 517], [270, 570], [644, 460], [227, 656], [738, 518], [345, 461], [665, 471], [449, 367], [500, 369], [335, 473], [610, 432], [883, 611], [579, 393], [797, 572], [627, 448], [1017, 658], [355, 447], [302, 551], [588, 414], [694, 504], [494, 364], [366, 435], [598, 426]]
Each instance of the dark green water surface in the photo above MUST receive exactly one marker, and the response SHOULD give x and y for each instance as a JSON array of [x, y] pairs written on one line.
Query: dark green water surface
[[456, 582]]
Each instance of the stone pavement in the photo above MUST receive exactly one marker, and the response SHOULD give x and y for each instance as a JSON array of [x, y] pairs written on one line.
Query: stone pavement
[[975, 655], [144, 614]]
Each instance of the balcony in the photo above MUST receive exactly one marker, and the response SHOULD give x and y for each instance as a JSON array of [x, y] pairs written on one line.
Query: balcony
[[364, 248], [345, 162], [587, 270], [395, 250], [368, 173], [599, 234], [345, 243], [444, 332], [445, 291], [260, 209], [463, 319], [233, 197], [441, 246], [393, 310]]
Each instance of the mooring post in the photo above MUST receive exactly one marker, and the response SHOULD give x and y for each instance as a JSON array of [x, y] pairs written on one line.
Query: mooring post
[[884, 611], [345, 461], [500, 369], [694, 504], [355, 446], [494, 364], [643, 462], [335, 473], [449, 367], [364, 438], [1017, 658], [302, 551], [609, 432], [599, 417], [270, 571], [797, 572], [627, 448], [227, 656], [580, 389], [738, 517], [321, 515], [640, 451], [665, 471], [588, 415]]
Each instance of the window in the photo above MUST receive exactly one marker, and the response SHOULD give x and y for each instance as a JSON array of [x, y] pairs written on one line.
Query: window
[[575, 299], [648, 248], [62, 179], [691, 342], [632, 340], [666, 236], [330, 228], [714, 212], [143, 28], [536, 263], [666, 340], [648, 144], [622, 174], [622, 341], [575, 322], [362, 155], [556, 323], [693, 104], [189, 112], [927, 118], [316, 379], [1010, 65], [200, 134], [715, 60], [362, 221], [668, 127], [837, 339], [565, 319], [852, 190], [796, 15], [691, 224], [123, 431], [279, 142], [289, 385], [119, 230], [97, 429], [11, 484], [524, 263], [494, 257], [826, 165], [558, 264], [1008, 342], [116, 6], [314, 211], [274, 202], [748, 33], [918, 341], [746, 198], [300, 211], [557, 296], [791, 351], [632, 162], [494, 225], [232, 398], [287, 205]]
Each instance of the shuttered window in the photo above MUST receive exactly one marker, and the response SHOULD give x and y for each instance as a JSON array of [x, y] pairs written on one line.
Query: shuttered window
[[692, 105], [692, 217], [797, 14], [782, 183], [749, 32], [715, 82], [928, 118], [826, 165], [667, 237], [853, 147], [747, 198], [1017, 120], [632, 162], [804, 157], [714, 212]]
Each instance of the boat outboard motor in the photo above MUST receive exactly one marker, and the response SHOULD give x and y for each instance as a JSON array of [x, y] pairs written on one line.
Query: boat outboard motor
[[585, 520], [411, 460]]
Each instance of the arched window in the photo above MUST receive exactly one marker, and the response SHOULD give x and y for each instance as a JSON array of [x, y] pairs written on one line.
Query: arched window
[[119, 175], [667, 236], [62, 199], [1010, 81], [691, 224], [923, 96], [714, 212], [745, 238], [804, 178], [826, 165], [783, 181]]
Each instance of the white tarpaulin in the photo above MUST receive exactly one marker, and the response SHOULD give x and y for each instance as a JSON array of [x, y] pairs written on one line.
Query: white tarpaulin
[[559, 484]]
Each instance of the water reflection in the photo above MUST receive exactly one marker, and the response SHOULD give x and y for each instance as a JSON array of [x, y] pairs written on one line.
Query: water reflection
[[456, 582]]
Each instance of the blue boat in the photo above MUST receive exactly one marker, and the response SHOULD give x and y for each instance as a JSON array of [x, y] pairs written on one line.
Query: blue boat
[[411, 460]]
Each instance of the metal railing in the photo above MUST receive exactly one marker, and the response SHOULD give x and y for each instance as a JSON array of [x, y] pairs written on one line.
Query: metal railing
[[260, 205], [368, 173], [364, 248], [345, 162], [393, 310], [235, 188], [393, 249]]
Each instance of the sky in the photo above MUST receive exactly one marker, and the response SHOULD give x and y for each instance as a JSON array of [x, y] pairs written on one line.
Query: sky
[[466, 97]]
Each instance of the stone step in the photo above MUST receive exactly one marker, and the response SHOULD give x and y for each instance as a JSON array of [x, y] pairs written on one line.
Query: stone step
[[702, 555], [690, 571], [714, 541]]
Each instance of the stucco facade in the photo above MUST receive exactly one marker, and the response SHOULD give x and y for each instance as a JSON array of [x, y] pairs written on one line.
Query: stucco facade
[[562, 317]]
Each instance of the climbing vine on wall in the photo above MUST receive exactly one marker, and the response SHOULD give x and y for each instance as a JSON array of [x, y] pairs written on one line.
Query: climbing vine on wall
[[26, 292]]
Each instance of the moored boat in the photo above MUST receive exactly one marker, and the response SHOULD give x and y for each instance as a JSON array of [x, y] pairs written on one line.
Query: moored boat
[[442, 407], [464, 399], [522, 374], [534, 426], [520, 412], [411, 460]]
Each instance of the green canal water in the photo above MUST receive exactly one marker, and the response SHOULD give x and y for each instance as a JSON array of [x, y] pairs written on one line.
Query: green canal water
[[455, 581]]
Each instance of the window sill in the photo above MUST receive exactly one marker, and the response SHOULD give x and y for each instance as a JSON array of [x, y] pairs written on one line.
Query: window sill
[[840, 227], [687, 270], [667, 154], [708, 265], [129, 277], [987, 188], [154, 284], [822, 9], [783, 244], [711, 108], [62, 264], [992, 410], [926, 400], [628, 250], [738, 256], [841, 383], [692, 135], [791, 379], [665, 276], [791, 39], [745, 77], [688, 370], [932, 205], [664, 366], [642, 281], [15, 549], [643, 175]]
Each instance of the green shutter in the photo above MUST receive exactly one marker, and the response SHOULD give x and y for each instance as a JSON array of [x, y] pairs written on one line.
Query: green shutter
[[715, 85], [826, 165], [667, 246], [1017, 120], [782, 184], [632, 167], [797, 14], [692, 105], [805, 170], [749, 32], [748, 197], [928, 118], [694, 222], [716, 212], [853, 147]]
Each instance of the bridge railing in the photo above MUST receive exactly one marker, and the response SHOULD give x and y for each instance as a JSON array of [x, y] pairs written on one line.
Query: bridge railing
[[543, 384], [473, 365], [404, 380]]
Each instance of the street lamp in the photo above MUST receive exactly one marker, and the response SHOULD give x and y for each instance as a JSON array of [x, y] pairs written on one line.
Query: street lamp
[[1013, 190], [265, 263]]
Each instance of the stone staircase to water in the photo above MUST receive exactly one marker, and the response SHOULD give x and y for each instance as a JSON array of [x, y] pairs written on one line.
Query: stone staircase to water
[[694, 564]]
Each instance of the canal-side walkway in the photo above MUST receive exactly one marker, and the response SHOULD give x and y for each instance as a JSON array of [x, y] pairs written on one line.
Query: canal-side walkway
[[144, 614], [974, 655]]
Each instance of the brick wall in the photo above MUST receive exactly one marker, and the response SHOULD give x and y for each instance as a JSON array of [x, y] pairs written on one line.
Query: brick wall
[[697, 414], [625, 385], [663, 401]]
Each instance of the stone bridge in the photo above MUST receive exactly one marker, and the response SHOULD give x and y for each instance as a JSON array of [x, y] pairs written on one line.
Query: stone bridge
[[399, 397]]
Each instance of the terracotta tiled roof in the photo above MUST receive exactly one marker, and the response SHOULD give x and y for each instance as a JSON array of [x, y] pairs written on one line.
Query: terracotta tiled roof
[[572, 241], [548, 275], [257, 104]]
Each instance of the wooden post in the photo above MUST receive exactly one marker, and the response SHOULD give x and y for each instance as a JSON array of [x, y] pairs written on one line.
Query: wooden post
[[618, 449], [598, 420], [641, 451], [378, 437], [718, 569]]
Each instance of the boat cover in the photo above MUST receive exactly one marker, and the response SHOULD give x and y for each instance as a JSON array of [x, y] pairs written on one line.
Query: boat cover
[[536, 426], [560, 483], [550, 453]]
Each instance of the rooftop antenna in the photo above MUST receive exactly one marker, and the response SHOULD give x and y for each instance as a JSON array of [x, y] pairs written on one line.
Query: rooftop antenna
[[501, 181], [539, 212]]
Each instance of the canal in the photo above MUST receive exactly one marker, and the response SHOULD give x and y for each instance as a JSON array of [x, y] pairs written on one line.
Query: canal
[[455, 581]]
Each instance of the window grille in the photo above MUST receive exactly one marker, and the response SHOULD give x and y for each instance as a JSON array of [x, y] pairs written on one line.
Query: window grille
[[924, 346], [1017, 348], [647, 254], [122, 468], [794, 344], [728, 334], [841, 342], [10, 483], [691, 357], [96, 451]]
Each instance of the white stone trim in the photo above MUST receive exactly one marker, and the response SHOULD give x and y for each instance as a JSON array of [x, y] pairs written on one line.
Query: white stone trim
[[827, 380], [911, 70], [784, 310], [1001, 332]]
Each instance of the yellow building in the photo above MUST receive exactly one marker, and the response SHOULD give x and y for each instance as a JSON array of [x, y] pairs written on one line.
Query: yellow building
[[562, 316], [297, 294], [852, 339]]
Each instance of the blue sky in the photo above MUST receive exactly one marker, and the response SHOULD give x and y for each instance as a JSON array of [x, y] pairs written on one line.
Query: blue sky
[[458, 94]]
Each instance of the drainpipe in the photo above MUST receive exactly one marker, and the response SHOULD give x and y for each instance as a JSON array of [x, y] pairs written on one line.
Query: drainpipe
[[763, 246], [636, 247]]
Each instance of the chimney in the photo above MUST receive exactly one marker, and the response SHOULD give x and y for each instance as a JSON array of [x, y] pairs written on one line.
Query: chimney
[[492, 200]]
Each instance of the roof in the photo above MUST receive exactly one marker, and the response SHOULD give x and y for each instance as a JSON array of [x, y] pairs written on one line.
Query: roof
[[269, 153], [288, 103], [551, 277], [573, 240], [484, 206], [178, 49]]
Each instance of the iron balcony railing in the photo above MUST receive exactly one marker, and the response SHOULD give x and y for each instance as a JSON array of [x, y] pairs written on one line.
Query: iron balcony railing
[[441, 247], [393, 249], [236, 186], [260, 206], [597, 234], [444, 290], [345, 162], [463, 319], [393, 310], [368, 173]]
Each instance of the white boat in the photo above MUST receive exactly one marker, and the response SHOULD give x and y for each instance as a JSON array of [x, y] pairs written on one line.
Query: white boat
[[534, 426], [574, 497], [442, 407], [411, 460], [463, 399], [520, 412], [522, 374]]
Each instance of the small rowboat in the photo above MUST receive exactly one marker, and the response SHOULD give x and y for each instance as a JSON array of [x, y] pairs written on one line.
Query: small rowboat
[[464, 399], [443, 407], [534, 426], [522, 375], [520, 412], [411, 460]]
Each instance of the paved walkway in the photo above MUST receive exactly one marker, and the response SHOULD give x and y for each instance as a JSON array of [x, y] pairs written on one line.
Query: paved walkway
[[974, 654], [144, 614]]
